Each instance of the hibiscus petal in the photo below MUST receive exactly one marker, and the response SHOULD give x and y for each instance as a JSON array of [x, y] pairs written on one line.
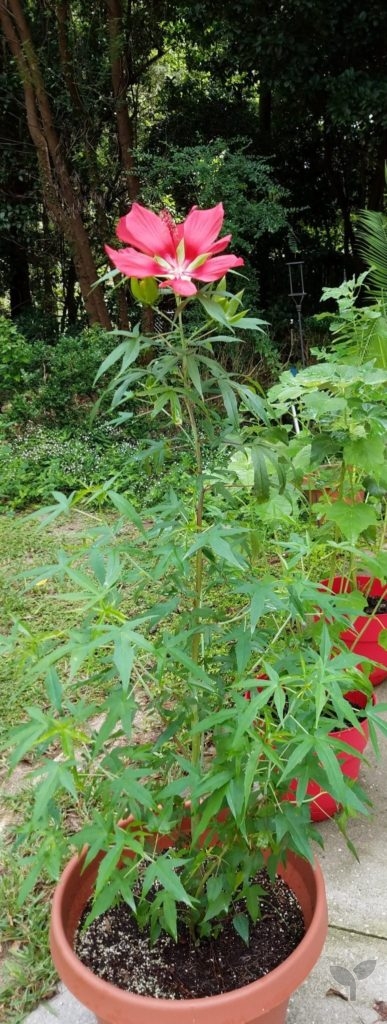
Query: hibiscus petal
[[133, 263], [179, 286], [201, 228], [221, 244], [216, 268], [146, 231]]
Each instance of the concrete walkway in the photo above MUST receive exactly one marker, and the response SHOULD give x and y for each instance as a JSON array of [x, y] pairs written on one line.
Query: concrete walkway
[[354, 961]]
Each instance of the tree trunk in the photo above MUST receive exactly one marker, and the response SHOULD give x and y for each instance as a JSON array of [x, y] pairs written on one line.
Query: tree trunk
[[70, 306], [120, 82], [19, 279], [60, 196]]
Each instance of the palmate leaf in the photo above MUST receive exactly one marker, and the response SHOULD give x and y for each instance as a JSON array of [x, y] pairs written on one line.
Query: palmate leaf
[[352, 520], [162, 870], [253, 402], [126, 509], [364, 452]]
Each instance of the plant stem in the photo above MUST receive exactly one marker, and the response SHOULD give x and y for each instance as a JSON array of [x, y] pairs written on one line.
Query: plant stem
[[196, 748]]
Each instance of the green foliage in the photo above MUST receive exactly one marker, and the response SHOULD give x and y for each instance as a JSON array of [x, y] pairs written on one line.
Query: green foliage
[[359, 332], [185, 655], [200, 174], [16, 359], [39, 460], [256, 206], [197, 175], [372, 231], [50, 383]]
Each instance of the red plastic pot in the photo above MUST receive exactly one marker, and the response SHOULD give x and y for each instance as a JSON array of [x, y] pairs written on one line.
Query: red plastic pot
[[264, 1001], [323, 805], [363, 635]]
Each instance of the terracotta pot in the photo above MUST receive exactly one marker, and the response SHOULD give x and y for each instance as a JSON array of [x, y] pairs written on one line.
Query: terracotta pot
[[362, 636], [264, 1001], [315, 494], [323, 805]]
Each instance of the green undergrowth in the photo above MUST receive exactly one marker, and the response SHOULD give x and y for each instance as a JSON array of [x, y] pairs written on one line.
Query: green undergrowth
[[37, 459]]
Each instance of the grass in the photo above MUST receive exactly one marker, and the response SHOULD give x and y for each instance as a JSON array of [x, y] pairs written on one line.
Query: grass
[[22, 548], [26, 971]]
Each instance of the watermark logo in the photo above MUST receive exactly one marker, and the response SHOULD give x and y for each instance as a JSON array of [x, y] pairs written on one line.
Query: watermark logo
[[348, 979]]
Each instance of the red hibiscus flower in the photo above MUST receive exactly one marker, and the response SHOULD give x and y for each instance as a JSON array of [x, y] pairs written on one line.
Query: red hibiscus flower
[[176, 253]]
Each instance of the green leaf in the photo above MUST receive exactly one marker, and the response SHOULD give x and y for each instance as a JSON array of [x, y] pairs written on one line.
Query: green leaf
[[104, 900], [251, 770], [217, 906], [214, 887], [170, 914], [299, 753], [251, 323], [123, 657], [220, 546], [126, 509], [253, 901], [194, 374], [109, 863], [242, 927], [243, 650], [208, 813], [261, 476], [112, 358], [214, 311], [252, 402], [365, 452], [162, 870], [196, 673], [351, 520], [56, 778], [32, 877], [382, 638], [54, 689], [230, 402], [235, 797]]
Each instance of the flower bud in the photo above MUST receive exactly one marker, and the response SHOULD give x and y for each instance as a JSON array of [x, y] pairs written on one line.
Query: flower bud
[[145, 291]]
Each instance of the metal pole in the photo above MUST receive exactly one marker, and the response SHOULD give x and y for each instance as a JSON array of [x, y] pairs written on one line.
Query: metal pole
[[301, 333]]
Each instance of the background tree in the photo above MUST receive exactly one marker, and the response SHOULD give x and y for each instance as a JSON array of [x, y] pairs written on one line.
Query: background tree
[[89, 89]]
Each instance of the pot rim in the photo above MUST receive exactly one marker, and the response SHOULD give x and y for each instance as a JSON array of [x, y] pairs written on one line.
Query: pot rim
[[289, 974]]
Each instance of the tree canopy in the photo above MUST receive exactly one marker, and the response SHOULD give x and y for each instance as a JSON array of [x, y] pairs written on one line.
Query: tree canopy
[[279, 110]]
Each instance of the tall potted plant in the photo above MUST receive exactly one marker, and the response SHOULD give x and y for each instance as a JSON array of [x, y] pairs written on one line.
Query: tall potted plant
[[168, 772], [342, 408]]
